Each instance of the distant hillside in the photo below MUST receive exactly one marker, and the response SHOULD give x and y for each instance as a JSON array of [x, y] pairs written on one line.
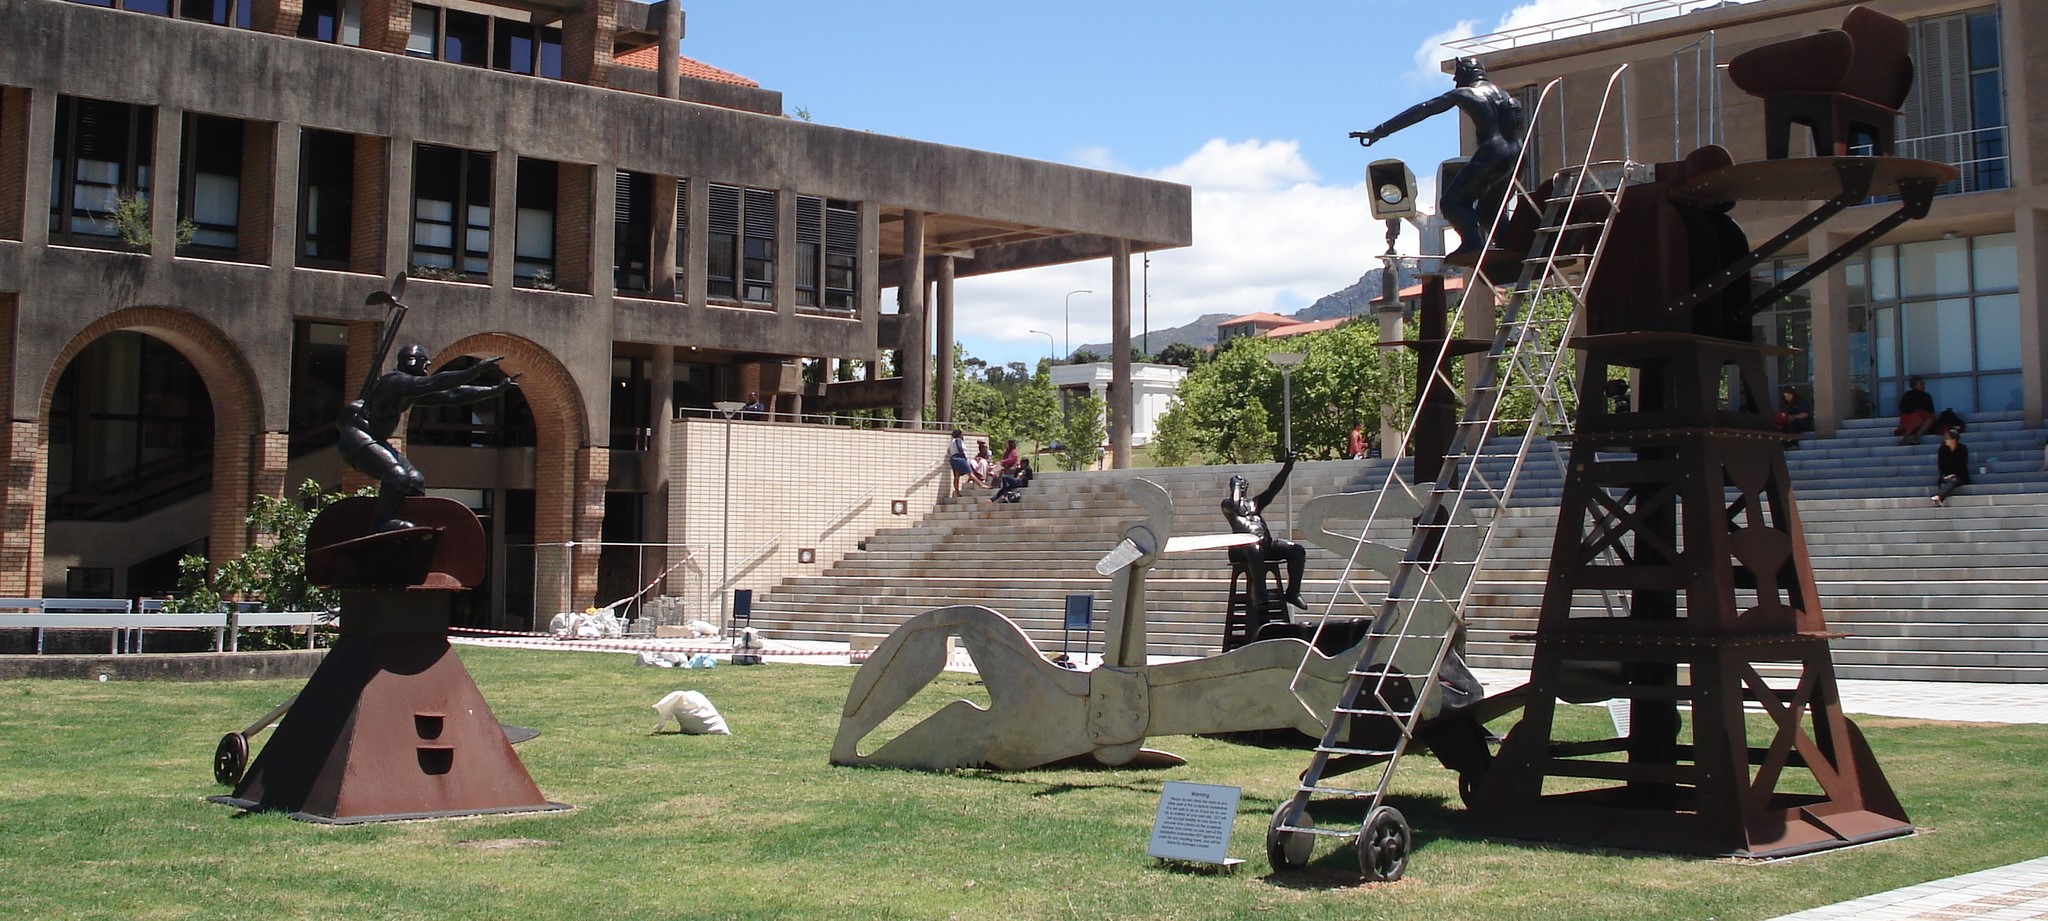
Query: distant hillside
[[1349, 301]]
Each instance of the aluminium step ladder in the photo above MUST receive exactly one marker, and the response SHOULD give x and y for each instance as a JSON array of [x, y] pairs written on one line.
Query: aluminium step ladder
[[1523, 381]]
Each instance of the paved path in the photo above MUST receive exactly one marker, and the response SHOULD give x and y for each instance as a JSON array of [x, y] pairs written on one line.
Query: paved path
[[2010, 893]]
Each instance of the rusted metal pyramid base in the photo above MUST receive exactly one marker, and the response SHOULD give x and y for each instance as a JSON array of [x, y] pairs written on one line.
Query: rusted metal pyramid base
[[389, 728]]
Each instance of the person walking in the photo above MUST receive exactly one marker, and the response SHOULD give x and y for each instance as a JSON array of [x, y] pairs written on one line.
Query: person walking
[[956, 458], [1951, 465]]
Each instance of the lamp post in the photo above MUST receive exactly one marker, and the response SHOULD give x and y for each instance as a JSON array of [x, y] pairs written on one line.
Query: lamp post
[[1051, 347], [1070, 319], [1286, 362], [728, 409]]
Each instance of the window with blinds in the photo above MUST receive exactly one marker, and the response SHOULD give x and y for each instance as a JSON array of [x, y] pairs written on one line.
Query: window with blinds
[[533, 237], [451, 235], [740, 250], [1956, 111], [102, 156], [682, 232], [211, 194], [633, 231], [828, 247]]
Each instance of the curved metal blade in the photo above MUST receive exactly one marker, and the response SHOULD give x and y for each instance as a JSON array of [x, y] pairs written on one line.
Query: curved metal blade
[[1123, 554]]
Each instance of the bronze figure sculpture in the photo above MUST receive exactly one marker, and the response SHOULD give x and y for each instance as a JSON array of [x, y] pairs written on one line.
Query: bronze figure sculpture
[[1245, 518], [366, 424], [1474, 193]]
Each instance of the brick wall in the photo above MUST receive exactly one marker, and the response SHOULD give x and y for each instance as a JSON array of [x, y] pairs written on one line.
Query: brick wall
[[257, 205], [13, 160], [587, 43], [241, 450], [572, 227], [366, 206]]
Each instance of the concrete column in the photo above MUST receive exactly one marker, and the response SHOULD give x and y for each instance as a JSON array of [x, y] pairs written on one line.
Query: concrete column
[[697, 226], [910, 303], [654, 468], [1829, 349], [2031, 243], [504, 217], [397, 208], [1119, 396], [283, 228], [942, 346], [669, 38], [661, 266], [165, 176]]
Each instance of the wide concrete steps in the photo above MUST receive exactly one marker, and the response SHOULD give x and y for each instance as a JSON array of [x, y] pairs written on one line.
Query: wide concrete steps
[[1949, 593]]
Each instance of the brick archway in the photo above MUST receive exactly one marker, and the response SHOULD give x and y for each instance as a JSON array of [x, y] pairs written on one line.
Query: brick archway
[[569, 474], [247, 461]]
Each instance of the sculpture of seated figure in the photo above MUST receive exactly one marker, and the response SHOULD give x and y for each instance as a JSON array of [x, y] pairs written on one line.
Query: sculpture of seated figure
[[1245, 518]]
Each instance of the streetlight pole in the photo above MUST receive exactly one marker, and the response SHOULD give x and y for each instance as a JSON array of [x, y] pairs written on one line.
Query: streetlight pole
[[1051, 347], [1070, 319], [1286, 361], [728, 409]]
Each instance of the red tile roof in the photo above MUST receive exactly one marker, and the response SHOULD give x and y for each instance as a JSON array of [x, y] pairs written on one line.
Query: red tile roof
[[1299, 328], [649, 58], [1415, 290]]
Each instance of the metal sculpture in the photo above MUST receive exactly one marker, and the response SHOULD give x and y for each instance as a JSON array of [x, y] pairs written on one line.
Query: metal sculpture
[[390, 726], [1040, 713], [366, 424], [1246, 516], [1472, 197]]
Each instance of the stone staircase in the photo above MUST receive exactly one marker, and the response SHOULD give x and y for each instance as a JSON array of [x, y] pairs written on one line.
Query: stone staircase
[[1957, 593]]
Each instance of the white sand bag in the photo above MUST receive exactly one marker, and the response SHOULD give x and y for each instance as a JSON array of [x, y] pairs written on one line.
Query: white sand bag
[[692, 713]]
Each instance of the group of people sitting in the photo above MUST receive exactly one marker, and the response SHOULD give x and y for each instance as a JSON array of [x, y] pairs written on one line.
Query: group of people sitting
[[1007, 475], [1916, 418]]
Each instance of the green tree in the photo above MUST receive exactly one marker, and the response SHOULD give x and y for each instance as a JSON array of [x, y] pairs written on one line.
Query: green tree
[[1179, 353], [272, 570], [1081, 433]]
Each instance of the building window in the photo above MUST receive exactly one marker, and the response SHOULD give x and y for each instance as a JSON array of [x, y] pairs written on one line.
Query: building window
[[827, 250], [1787, 323], [131, 431], [632, 410], [511, 45], [319, 383], [1943, 310], [1956, 111], [632, 230], [740, 254], [326, 197], [337, 21], [451, 234], [210, 196], [533, 243], [218, 12], [102, 156]]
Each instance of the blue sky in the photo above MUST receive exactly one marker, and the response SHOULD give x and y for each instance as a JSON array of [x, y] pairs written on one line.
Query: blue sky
[[1248, 103]]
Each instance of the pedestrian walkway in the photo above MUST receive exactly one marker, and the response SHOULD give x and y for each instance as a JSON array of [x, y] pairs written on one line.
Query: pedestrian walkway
[[2010, 893]]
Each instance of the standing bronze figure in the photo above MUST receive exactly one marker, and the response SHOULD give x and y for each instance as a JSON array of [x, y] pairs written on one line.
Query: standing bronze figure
[[366, 424], [1475, 193], [1245, 518]]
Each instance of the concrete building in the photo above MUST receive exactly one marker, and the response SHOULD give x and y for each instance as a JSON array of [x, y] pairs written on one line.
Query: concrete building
[[196, 196], [1958, 298]]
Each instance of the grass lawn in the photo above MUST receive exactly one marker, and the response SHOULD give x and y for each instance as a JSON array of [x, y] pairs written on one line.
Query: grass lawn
[[102, 786]]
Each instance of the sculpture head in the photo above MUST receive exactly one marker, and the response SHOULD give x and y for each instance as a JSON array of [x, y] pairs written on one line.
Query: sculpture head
[[413, 359], [1469, 71], [1237, 488]]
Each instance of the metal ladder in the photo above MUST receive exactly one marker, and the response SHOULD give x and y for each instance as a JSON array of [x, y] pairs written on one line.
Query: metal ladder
[[1526, 374]]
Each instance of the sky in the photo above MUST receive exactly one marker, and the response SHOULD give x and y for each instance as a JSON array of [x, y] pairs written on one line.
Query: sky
[[1249, 104]]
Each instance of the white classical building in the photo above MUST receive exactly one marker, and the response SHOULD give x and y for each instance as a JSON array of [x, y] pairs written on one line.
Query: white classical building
[[1152, 388]]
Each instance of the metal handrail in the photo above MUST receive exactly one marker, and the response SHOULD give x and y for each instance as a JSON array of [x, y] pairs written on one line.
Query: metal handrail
[[1587, 24]]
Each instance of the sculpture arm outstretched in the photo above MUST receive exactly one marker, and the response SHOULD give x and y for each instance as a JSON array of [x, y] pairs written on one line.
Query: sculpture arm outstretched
[[1279, 482], [1411, 116]]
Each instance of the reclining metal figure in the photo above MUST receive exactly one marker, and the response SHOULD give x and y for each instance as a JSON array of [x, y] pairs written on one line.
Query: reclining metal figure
[[1040, 713]]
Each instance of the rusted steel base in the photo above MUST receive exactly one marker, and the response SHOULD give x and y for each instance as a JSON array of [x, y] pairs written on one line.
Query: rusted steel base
[[1717, 792], [391, 726]]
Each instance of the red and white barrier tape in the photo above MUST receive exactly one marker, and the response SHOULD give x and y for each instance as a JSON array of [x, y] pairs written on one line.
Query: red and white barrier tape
[[545, 641]]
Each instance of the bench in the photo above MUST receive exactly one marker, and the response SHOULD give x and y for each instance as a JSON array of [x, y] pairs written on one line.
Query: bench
[[129, 621]]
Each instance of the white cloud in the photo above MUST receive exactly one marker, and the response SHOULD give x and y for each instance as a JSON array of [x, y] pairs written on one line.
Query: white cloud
[[1268, 235]]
